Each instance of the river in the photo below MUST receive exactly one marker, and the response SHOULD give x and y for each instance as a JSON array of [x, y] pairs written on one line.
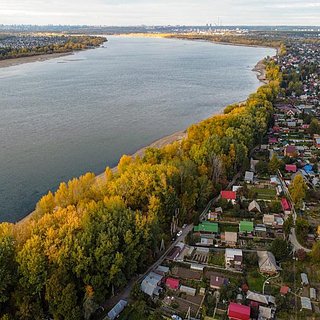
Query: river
[[63, 117]]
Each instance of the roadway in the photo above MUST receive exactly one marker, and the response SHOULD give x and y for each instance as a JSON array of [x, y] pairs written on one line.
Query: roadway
[[124, 294], [292, 237]]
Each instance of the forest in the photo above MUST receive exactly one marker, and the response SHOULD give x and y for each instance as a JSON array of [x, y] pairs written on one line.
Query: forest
[[247, 40], [89, 238], [71, 43]]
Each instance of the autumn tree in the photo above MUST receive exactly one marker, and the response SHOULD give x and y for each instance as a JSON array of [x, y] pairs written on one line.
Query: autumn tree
[[298, 190]]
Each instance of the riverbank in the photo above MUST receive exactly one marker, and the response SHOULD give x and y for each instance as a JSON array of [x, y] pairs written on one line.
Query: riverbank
[[177, 136], [38, 58]]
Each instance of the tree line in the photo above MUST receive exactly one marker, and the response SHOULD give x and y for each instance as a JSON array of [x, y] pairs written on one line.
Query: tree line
[[72, 43]]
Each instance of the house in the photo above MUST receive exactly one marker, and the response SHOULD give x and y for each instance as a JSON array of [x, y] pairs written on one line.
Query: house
[[316, 139], [291, 168], [267, 263], [304, 279], [206, 227], [290, 151], [306, 304], [233, 258], [150, 284], [230, 238], [254, 206], [188, 290], [245, 226], [217, 282], [197, 266], [285, 206], [261, 299], [117, 309], [175, 252], [275, 180], [266, 313], [284, 290], [248, 177], [229, 195], [172, 283], [238, 311]]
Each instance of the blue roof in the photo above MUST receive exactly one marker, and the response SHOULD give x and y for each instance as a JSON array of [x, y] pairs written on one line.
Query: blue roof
[[308, 168]]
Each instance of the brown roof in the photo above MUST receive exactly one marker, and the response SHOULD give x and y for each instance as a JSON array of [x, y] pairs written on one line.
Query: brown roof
[[217, 281]]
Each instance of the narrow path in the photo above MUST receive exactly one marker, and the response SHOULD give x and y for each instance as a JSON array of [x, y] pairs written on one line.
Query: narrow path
[[292, 237]]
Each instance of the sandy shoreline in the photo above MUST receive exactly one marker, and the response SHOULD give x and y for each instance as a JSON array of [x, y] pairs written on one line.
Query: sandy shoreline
[[38, 58], [176, 136]]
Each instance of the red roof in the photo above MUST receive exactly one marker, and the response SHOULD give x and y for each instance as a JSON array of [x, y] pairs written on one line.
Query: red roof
[[284, 290], [273, 140], [238, 312], [276, 128], [229, 195], [291, 168], [172, 283], [285, 204]]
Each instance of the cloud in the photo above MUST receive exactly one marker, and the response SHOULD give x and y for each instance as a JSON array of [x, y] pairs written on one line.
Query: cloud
[[156, 12]]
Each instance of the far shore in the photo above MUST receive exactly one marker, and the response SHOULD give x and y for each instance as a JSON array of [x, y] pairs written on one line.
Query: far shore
[[37, 58], [259, 69]]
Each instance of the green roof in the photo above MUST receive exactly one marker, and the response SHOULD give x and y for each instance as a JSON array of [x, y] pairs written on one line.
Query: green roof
[[206, 226], [246, 226]]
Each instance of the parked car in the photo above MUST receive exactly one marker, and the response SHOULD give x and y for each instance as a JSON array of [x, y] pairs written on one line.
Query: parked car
[[179, 233]]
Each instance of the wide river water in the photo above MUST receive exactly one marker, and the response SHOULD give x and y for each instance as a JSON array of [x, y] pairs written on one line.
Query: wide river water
[[63, 117]]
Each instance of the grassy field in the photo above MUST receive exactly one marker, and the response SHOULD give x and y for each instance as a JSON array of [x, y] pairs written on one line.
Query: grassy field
[[228, 227], [255, 280], [216, 259], [265, 194]]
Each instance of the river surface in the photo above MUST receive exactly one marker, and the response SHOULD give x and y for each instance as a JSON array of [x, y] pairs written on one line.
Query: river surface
[[63, 117]]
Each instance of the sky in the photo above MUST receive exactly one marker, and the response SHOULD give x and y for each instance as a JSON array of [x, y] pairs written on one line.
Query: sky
[[160, 12]]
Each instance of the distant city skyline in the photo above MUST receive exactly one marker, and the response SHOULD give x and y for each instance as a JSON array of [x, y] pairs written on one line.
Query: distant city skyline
[[161, 12]]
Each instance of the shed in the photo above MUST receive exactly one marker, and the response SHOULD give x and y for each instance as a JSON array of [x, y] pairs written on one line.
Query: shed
[[313, 294], [248, 177], [265, 313], [162, 269], [284, 290], [304, 279], [188, 290], [197, 266], [117, 309], [238, 311]]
